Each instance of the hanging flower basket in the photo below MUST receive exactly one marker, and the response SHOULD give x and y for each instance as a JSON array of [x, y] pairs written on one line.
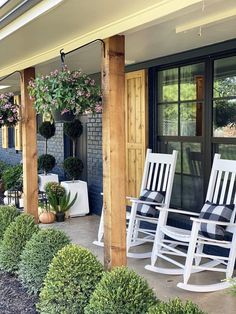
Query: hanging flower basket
[[9, 112], [65, 91]]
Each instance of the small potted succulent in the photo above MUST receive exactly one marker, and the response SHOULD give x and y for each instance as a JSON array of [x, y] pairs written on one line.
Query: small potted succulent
[[59, 200], [9, 111], [65, 91], [46, 162]]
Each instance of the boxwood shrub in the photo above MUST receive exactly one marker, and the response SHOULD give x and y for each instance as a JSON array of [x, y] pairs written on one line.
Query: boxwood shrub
[[175, 306], [70, 281], [7, 216], [121, 291], [37, 255], [14, 241]]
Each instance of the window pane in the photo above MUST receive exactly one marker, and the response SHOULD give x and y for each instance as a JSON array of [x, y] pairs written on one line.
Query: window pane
[[168, 85], [191, 119], [168, 119], [192, 198], [227, 151], [224, 118], [192, 82], [225, 77]]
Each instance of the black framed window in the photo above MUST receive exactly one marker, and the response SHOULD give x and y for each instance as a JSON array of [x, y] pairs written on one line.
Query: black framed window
[[195, 113]]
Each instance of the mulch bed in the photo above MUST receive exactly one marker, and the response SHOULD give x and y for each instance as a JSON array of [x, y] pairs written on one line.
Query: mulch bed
[[14, 298]]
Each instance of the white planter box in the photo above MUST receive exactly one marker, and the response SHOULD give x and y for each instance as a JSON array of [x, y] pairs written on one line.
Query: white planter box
[[45, 178], [81, 206]]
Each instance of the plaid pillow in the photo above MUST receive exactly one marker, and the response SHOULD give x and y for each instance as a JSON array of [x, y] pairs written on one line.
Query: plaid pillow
[[215, 212], [150, 196]]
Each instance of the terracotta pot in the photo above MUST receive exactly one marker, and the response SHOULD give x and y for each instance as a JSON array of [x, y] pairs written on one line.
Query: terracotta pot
[[47, 217]]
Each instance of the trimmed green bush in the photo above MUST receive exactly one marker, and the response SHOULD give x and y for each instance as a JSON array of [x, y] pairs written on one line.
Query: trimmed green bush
[[121, 291], [71, 279], [14, 241], [47, 129], [46, 162], [73, 129], [7, 216], [37, 256], [175, 306], [73, 167]]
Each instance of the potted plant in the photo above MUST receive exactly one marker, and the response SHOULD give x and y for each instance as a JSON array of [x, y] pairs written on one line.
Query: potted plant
[[73, 167], [59, 200], [65, 91], [9, 111], [46, 162], [12, 178]]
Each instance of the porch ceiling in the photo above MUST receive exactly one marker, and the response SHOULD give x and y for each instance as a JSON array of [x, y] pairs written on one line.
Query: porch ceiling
[[149, 26]]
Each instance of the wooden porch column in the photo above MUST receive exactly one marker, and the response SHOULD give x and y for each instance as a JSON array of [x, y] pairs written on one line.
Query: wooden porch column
[[29, 147], [113, 132]]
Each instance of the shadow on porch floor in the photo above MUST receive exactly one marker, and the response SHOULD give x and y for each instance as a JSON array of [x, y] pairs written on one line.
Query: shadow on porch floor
[[83, 231]]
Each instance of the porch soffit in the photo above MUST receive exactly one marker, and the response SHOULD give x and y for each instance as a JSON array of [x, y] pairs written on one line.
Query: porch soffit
[[41, 39]]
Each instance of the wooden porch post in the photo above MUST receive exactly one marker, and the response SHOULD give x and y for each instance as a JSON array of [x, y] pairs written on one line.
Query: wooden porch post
[[29, 147], [113, 132]]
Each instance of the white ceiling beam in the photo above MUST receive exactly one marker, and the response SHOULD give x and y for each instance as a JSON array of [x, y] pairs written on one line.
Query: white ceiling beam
[[206, 20], [142, 17]]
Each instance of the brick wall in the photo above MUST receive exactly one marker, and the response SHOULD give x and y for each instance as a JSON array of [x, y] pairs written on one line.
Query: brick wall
[[94, 162]]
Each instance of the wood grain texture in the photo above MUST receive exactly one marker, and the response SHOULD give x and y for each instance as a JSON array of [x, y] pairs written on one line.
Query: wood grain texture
[[29, 147], [113, 123], [136, 117]]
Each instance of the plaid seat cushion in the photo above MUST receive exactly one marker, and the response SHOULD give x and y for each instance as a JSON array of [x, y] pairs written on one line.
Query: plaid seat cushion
[[150, 196], [215, 212]]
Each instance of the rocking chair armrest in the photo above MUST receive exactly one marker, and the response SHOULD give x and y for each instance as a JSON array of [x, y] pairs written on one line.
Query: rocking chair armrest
[[178, 211], [214, 222], [136, 200]]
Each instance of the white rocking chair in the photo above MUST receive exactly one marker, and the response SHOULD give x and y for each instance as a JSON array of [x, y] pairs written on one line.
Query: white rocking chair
[[221, 190], [158, 175]]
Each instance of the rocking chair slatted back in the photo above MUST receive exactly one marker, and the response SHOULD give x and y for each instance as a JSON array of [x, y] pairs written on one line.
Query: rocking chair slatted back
[[222, 185], [158, 174]]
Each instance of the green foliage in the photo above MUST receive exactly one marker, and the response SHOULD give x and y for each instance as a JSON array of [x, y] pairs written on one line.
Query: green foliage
[[47, 129], [73, 167], [55, 188], [46, 162], [71, 279], [225, 113], [3, 167], [37, 255], [121, 291], [7, 216], [14, 241], [175, 306], [13, 177], [73, 129], [61, 204]]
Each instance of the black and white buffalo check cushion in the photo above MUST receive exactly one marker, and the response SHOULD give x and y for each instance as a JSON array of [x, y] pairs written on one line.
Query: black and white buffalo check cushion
[[215, 212], [149, 196]]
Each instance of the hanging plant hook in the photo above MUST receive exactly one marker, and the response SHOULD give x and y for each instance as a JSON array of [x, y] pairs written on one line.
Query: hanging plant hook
[[63, 54]]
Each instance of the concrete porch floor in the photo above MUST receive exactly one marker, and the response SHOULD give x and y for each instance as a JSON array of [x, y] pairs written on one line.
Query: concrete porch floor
[[83, 231]]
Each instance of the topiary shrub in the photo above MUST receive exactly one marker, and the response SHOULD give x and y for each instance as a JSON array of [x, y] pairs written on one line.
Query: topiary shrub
[[46, 162], [47, 129], [73, 166], [7, 216], [121, 291], [71, 279], [56, 188], [73, 129], [37, 255], [175, 306], [14, 241]]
